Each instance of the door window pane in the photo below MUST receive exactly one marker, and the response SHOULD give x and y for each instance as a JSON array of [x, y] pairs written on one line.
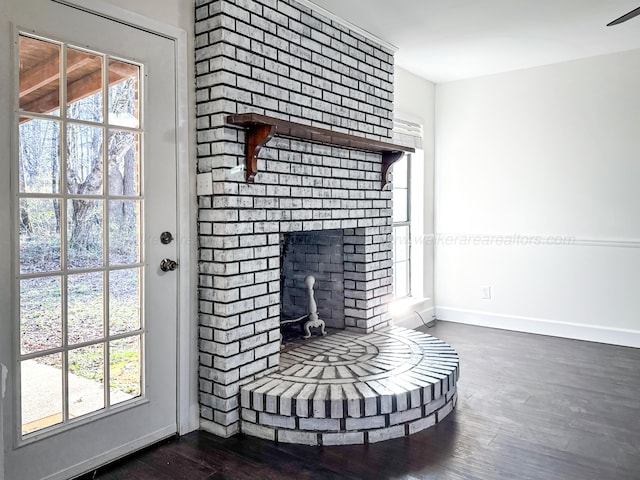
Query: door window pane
[[124, 369], [41, 392], [124, 167], [85, 307], [124, 81], [84, 233], [84, 159], [86, 380], [124, 301], [39, 75], [39, 156], [40, 314], [84, 85], [39, 235], [124, 232]]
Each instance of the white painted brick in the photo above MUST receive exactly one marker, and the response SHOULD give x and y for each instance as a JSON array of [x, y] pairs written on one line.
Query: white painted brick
[[253, 316], [386, 433], [422, 424], [249, 415], [267, 350], [343, 438], [434, 405], [253, 341], [444, 411], [258, 431], [219, 430], [204, 184], [279, 421], [364, 423], [314, 94], [253, 291], [320, 424], [229, 309], [227, 336], [228, 363], [303, 401], [301, 438], [405, 416], [226, 418]]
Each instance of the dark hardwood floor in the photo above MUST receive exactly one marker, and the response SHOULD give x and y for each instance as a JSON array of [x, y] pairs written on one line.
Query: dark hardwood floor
[[530, 407]]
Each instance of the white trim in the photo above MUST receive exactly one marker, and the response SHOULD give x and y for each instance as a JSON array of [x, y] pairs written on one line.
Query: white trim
[[188, 406], [529, 239], [541, 326], [187, 400], [412, 314], [347, 24], [587, 242], [111, 455], [127, 17]]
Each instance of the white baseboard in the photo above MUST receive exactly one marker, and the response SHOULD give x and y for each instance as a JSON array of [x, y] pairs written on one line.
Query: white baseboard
[[112, 455], [541, 326], [416, 315]]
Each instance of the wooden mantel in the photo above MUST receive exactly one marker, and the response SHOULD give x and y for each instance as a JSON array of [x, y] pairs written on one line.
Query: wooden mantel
[[261, 128]]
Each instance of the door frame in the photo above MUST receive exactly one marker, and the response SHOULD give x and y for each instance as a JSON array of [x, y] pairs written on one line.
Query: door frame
[[187, 414]]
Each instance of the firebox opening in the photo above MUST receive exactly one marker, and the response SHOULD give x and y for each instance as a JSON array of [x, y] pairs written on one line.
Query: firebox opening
[[319, 253]]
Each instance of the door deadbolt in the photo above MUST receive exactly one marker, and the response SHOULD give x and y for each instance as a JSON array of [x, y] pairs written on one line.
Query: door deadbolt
[[166, 238], [168, 265]]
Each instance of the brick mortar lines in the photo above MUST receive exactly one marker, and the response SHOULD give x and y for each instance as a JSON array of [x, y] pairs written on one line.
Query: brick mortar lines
[[381, 76], [375, 91], [339, 37], [348, 176]]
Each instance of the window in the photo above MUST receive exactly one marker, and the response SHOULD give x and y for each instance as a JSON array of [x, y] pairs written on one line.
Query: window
[[408, 177], [402, 228]]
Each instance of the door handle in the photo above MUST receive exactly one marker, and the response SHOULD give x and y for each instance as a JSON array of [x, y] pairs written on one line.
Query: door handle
[[168, 265]]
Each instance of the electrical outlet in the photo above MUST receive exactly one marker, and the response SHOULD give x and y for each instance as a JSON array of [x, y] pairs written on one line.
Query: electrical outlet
[[486, 292]]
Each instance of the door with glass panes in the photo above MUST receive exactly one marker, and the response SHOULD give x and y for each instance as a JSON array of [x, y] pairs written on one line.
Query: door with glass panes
[[94, 188]]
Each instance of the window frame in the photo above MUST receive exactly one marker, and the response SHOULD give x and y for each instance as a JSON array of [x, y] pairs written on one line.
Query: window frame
[[404, 223]]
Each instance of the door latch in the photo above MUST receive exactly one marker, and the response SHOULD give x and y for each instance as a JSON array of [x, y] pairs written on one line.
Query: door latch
[[166, 238], [168, 265]]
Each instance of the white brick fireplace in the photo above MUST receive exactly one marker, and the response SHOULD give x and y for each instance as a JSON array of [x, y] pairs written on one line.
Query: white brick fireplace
[[280, 58]]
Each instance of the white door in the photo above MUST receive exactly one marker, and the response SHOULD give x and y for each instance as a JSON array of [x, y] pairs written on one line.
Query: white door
[[93, 189]]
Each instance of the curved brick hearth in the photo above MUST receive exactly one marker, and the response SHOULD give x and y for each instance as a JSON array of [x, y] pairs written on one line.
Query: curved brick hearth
[[351, 388]]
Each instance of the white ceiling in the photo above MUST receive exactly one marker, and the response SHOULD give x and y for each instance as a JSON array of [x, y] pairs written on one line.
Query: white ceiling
[[445, 40]]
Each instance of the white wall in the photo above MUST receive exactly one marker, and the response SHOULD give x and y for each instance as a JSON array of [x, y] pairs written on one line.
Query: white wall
[[414, 99], [549, 151]]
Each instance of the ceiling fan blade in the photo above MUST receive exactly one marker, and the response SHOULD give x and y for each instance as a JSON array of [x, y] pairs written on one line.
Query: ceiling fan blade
[[625, 17]]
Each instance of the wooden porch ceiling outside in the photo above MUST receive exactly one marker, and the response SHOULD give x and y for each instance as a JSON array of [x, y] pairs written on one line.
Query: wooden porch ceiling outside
[[40, 74]]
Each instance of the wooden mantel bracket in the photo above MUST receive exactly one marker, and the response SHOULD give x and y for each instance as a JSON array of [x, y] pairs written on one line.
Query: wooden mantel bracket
[[388, 159], [261, 128], [257, 136]]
